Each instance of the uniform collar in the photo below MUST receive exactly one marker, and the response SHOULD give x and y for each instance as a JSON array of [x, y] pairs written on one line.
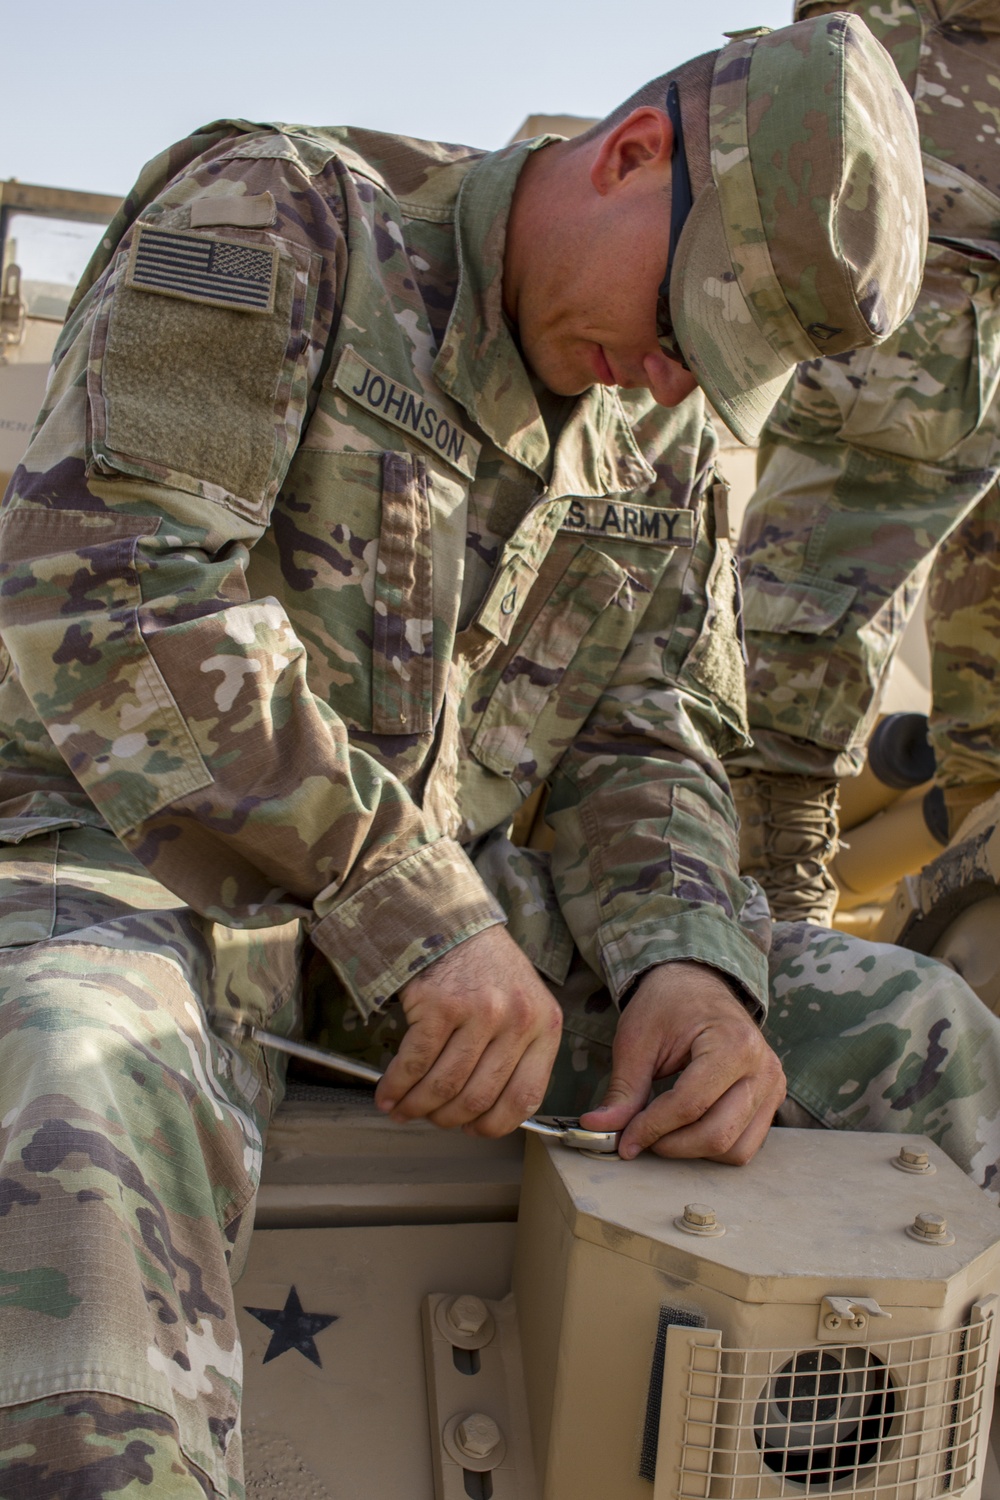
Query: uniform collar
[[481, 367]]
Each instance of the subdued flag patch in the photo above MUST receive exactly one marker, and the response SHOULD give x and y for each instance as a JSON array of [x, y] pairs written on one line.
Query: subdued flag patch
[[223, 273]]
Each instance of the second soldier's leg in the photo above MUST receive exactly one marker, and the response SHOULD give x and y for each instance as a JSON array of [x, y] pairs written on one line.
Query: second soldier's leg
[[963, 630], [865, 469], [873, 1037]]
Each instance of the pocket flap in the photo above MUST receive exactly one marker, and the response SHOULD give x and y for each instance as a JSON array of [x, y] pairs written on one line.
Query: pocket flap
[[781, 605], [16, 830]]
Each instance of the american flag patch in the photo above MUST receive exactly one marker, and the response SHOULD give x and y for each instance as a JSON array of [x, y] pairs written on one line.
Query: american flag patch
[[224, 273]]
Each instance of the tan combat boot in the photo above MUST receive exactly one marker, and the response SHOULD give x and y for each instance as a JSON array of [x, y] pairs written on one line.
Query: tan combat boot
[[788, 836]]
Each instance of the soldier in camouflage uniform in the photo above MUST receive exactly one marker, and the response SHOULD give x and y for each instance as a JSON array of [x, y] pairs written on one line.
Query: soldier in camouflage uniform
[[873, 462], [310, 576]]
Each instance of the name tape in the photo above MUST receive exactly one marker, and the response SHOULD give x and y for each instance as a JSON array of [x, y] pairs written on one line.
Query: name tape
[[408, 410], [631, 523]]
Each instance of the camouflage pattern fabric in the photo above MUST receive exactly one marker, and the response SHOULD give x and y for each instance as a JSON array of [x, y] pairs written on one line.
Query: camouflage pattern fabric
[[871, 1037], [871, 459], [747, 297], [131, 1140], [130, 1154], [317, 644], [963, 629]]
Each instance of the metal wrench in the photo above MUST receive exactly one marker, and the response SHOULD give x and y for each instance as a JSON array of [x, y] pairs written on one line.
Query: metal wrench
[[568, 1131]]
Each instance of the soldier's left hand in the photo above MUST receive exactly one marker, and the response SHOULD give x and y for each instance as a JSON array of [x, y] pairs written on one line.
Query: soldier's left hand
[[685, 1019]]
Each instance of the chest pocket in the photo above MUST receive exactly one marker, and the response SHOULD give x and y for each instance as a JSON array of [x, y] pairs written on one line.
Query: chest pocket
[[569, 636]]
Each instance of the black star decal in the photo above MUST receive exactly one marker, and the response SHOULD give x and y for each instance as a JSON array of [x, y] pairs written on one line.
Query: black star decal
[[291, 1328]]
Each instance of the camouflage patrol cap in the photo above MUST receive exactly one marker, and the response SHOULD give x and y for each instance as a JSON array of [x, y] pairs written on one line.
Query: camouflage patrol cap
[[810, 238]]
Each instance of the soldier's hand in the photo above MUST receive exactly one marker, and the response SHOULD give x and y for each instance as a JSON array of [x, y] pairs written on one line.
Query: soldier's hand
[[482, 1037], [684, 1018]]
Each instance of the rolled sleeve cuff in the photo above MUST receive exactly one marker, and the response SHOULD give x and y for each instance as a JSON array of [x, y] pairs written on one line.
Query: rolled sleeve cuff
[[397, 924], [701, 935]]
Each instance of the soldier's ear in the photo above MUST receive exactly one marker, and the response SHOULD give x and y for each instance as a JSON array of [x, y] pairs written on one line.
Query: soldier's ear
[[642, 142]]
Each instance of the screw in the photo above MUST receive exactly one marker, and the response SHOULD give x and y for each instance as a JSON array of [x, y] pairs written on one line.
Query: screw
[[831, 1321], [477, 1435], [467, 1315], [858, 1321]]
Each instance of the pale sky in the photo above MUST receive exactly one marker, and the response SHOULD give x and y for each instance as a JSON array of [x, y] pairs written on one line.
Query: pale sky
[[91, 90]]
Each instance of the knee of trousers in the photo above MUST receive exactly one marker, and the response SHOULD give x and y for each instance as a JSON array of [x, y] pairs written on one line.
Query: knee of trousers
[[108, 1074]]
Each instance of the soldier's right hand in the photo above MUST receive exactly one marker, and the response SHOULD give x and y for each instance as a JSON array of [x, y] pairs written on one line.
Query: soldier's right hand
[[482, 1037]]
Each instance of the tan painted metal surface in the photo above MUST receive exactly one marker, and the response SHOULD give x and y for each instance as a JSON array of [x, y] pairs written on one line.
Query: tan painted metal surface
[[354, 1425]]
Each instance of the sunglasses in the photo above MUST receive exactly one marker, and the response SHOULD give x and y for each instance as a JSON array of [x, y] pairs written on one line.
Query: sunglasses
[[681, 201]]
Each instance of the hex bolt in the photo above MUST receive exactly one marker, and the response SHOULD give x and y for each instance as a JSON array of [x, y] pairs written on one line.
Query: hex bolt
[[477, 1435], [913, 1159], [468, 1314], [930, 1228], [699, 1218], [699, 1214]]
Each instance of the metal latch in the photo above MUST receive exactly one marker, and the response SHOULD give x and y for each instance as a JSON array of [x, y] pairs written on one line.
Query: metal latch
[[845, 1318], [13, 311]]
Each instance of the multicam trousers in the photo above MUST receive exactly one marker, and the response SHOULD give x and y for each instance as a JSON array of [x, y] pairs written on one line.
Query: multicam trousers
[[131, 1140], [875, 469]]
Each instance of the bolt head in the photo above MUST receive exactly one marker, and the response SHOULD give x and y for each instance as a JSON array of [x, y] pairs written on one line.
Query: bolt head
[[468, 1314], [931, 1226], [913, 1158], [699, 1213], [477, 1435]]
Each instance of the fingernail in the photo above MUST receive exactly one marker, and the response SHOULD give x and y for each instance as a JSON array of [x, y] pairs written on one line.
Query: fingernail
[[628, 1153], [385, 1105]]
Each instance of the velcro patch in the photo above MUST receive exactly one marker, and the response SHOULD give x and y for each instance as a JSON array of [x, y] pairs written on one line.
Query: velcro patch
[[223, 273], [240, 211], [628, 522], [408, 410]]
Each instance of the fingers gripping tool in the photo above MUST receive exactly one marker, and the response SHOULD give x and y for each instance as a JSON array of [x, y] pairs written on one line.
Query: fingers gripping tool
[[567, 1131]]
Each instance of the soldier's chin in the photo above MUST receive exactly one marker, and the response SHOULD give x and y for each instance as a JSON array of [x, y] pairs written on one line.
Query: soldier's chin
[[561, 376]]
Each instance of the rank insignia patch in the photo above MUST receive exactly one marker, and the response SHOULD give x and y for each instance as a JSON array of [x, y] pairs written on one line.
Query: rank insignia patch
[[223, 273]]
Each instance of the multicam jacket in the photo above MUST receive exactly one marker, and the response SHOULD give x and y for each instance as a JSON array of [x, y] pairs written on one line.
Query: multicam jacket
[[306, 586]]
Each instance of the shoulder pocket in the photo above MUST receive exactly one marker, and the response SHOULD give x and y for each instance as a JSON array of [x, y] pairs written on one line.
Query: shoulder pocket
[[198, 371]]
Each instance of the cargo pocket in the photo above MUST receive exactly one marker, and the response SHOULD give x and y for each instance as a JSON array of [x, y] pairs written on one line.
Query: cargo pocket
[[778, 605], [403, 629], [29, 849], [555, 664], [197, 371]]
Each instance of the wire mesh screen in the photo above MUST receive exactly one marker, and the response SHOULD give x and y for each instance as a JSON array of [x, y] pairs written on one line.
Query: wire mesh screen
[[897, 1421]]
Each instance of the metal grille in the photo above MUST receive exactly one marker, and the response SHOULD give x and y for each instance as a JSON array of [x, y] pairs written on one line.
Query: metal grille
[[894, 1421]]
